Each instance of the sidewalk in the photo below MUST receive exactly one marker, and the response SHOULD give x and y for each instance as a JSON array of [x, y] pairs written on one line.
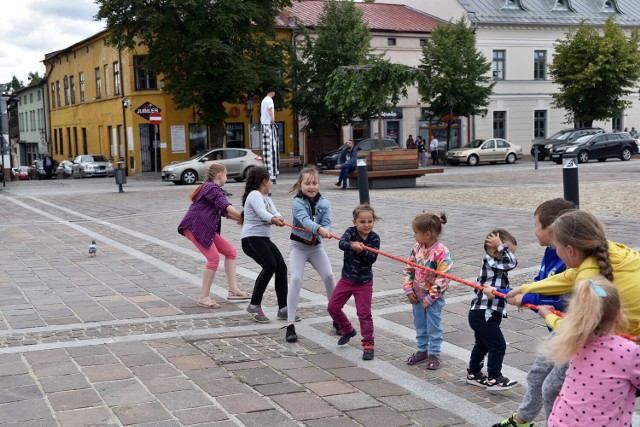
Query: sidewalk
[[118, 340]]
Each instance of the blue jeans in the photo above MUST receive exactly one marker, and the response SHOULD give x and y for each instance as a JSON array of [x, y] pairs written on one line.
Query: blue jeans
[[427, 322], [345, 170]]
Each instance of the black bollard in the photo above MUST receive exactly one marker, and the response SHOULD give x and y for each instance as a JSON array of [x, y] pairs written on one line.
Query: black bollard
[[570, 178], [363, 180], [535, 157], [121, 176]]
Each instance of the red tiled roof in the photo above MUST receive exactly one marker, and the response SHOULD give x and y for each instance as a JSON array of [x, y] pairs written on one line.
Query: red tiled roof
[[378, 16]]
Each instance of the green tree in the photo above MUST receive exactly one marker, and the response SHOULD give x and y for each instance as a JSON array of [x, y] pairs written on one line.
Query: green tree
[[208, 52], [595, 71], [12, 108], [34, 78], [368, 90], [14, 85], [340, 38], [455, 79]]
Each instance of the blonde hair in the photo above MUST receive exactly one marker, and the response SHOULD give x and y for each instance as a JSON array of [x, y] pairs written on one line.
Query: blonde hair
[[308, 170], [214, 170], [589, 315], [584, 232], [429, 222]]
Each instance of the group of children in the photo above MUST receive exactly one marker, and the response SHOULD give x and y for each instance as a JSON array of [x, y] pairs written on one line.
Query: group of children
[[600, 276]]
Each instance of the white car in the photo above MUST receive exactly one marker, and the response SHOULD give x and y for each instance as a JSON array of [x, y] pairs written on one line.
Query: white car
[[238, 162], [87, 165], [491, 150]]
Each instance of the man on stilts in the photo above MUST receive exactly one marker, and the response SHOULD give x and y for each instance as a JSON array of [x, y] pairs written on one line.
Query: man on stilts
[[270, 149]]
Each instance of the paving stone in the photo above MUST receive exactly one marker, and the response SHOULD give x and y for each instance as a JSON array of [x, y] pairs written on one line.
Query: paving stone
[[138, 414], [192, 362], [208, 373], [20, 393], [330, 388], [96, 359], [260, 376], [163, 385], [266, 418], [160, 370], [342, 421], [351, 401], [286, 363], [307, 375], [183, 399], [278, 388], [435, 417], [328, 361], [85, 417], [406, 402], [305, 406], [354, 374], [379, 388], [243, 403], [55, 369], [380, 417], [47, 357], [74, 399], [101, 373], [125, 392], [223, 387], [141, 359], [199, 415]]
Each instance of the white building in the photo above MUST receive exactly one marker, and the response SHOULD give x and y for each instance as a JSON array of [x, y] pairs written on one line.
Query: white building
[[32, 123], [518, 37]]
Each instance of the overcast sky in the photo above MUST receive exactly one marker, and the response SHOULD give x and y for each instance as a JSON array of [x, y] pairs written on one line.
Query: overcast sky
[[29, 29]]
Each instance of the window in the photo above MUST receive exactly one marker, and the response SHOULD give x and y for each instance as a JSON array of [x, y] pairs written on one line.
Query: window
[[235, 135], [498, 64], [143, 79], [116, 78], [67, 94], [72, 89], [39, 95], [58, 93], [391, 41], [540, 124], [106, 80], [539, 64], [561, 5], [81, 78], [499, 124], [31, 97], [197, 138], [616, 124], [423, 42], [98, 84]]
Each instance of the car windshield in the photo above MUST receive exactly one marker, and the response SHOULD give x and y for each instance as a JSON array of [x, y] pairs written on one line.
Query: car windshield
[[96, 158], [474, 144], [562, 135], [581, 139]]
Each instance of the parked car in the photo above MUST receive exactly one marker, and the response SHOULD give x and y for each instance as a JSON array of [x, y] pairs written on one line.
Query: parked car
[[329, 159], [238, 162], [22, 173], [65, 169], [88, 165], [491, 150], [545, 147], [602, 146]]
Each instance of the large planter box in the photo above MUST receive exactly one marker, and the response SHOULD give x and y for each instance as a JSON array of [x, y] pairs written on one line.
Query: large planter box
[[391, 160]]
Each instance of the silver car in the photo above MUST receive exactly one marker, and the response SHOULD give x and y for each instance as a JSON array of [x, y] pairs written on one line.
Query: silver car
[[87, 165], [238, 162]]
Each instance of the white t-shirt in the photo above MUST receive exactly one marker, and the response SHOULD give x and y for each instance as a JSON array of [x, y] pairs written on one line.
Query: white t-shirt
[[433, 146], [267, 104]]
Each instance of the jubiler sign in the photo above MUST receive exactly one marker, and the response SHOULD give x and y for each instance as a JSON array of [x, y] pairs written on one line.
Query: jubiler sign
[[146, 109]]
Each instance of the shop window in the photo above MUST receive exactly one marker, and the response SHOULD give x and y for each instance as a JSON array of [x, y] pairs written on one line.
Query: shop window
[[499, 124], [540, 124], [235, 135]]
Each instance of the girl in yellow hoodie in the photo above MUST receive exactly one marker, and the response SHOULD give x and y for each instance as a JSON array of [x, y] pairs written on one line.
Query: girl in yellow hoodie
[[581, 242]]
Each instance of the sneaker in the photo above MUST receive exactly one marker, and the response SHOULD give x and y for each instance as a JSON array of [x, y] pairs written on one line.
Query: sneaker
[[418, 357], [282, 314], [511, 422], [478, 379], [338, 184], [336, 328], [256, 314], [367, 353], [291, 336], [500, 383], [433, 362], [346, 337]]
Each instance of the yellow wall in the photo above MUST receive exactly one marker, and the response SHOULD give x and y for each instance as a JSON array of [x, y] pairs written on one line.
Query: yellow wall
[[102, 119]]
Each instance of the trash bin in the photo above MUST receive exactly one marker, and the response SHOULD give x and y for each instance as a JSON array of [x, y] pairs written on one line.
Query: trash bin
[[121, 174]]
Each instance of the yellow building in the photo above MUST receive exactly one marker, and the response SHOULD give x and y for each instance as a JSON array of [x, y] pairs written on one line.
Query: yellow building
[[102, 102]]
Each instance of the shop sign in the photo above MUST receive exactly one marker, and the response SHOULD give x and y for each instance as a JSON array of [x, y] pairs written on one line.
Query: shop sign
[[146, 109]]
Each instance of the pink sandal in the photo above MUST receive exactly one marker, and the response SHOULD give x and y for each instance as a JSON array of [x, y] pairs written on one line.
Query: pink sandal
[[208, 303], [238, 295]]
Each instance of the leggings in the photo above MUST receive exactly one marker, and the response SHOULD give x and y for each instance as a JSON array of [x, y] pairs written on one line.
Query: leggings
[[219, 246], [263, 251], [299, 255]]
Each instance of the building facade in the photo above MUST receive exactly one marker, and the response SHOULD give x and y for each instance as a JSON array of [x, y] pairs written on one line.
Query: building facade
[[518, 37], [103, 102], [33, 140]]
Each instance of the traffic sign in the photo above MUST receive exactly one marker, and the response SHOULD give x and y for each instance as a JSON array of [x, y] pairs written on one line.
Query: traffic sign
[[155, 118]]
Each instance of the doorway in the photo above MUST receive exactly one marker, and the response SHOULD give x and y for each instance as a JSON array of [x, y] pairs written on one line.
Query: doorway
[[150, 148]]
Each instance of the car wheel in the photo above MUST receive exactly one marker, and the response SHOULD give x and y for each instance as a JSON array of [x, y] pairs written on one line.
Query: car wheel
[[511, 158], [189, 177], [557, 162], [583, 156], [245, 175], [626, 154], [472, 160]]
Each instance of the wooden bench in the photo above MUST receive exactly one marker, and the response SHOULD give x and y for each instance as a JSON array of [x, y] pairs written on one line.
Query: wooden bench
[[399, 178], [291, 162], [390, 169]]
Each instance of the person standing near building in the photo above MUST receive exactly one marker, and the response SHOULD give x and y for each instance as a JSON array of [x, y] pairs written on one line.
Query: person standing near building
[[47, 165], [422, 151], [433, 148], [270, 151]]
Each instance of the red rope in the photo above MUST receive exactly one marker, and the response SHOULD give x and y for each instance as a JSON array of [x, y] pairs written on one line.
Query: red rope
[[447, 276]]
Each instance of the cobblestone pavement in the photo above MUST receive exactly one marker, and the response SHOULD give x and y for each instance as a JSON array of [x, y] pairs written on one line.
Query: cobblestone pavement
[[118, 339]]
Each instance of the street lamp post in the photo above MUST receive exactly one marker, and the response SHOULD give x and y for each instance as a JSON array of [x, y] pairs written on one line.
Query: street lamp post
[[450, 102], [250, 109]]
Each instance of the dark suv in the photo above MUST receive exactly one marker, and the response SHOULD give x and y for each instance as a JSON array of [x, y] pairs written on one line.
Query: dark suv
[[602, 146], [329, 159], [545, 147]]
